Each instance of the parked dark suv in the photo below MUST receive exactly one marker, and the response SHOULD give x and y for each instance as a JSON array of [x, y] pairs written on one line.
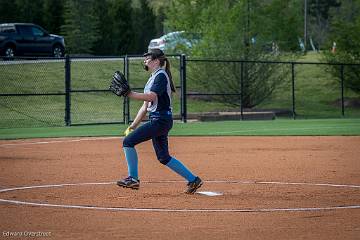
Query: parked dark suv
[[29, 39]]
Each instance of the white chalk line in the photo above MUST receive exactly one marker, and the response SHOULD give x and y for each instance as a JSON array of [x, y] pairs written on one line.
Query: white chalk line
[[286, 129], [65, 140], [249, 210], [215, 133], [58, 141]]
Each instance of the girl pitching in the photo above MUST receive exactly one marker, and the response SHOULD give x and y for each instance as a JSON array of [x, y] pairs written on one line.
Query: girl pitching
[[157, 101]]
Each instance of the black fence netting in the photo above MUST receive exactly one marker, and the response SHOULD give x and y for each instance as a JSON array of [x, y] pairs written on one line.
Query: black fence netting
[[74, 91], [90, 99], [322, 91], [266, 90], [32, 93], [236, 89]]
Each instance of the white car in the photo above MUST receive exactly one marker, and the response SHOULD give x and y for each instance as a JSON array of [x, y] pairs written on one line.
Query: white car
[[171, 42]]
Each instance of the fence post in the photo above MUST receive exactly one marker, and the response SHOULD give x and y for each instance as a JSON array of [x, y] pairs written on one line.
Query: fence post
[[67, 91], [342, 90], [293, 89], [126, 108], [183, 87], [242, 90]]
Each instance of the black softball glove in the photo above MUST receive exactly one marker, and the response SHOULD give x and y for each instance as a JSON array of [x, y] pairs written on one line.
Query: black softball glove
[[119, 85]]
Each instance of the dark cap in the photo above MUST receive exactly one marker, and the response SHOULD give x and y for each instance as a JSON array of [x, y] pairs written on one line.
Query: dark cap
[[154, 53]]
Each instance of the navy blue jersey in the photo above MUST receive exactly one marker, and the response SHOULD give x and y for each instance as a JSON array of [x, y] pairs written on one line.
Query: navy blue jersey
[[159, 83]]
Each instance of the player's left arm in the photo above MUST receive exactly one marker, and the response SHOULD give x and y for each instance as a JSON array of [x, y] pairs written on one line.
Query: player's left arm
[[158, 87], [148, 97]]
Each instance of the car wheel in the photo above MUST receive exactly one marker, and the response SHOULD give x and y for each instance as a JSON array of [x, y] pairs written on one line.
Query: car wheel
[[58, 51], [9, 52]]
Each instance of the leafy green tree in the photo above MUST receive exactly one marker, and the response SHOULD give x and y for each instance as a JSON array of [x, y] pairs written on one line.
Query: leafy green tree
[[280, 21], [319, 20], [53, 12], [27, 11], [8, 11], [143, 26], [345, 29], [125, 26], [46, 13], [30, 11], [81, 26], [104, 45], [159, 8], [122, 34], [231, 30]]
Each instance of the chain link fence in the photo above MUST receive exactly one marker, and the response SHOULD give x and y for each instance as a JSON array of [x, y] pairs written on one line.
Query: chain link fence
[[234, 90], [74, 91], [32, 93], [90, 100]]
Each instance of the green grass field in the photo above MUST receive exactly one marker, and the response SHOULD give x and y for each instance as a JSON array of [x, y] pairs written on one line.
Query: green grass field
[[322, 127]]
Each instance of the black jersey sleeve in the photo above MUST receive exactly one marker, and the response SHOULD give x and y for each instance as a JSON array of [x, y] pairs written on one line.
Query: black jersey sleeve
[[160, 84]]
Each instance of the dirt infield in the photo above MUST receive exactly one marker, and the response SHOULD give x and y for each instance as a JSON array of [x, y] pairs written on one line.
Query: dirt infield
[[272, 188]]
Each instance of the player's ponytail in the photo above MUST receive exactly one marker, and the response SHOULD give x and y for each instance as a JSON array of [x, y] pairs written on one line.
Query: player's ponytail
[[165, 61]]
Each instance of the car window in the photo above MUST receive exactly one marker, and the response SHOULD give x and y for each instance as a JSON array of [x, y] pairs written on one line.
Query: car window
[[7, 29], [37, 32], [25, 30]]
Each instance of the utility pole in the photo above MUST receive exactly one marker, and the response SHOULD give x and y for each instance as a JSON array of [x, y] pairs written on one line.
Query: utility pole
[[247, 27], [248, 19], [245, 84], [305, 24]]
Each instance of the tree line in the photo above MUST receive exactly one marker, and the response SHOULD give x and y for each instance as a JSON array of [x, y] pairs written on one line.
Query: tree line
[[269, 30], [127, 26], [234, 29], [285, 22], [99, 27]]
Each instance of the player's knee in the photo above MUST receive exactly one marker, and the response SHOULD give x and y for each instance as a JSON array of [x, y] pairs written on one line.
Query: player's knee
[[128, 143], [164, 160]]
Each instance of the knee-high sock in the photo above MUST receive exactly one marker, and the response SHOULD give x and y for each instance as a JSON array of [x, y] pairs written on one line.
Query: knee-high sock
[[132, 161], [180, 169]]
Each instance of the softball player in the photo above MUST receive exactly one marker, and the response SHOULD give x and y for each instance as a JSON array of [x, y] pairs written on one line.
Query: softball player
[[157, 101]]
